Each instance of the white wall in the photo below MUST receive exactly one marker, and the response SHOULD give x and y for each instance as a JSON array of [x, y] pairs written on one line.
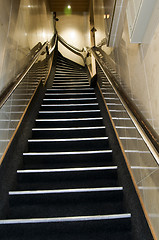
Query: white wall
[[137, 65], [139, 71], [75, 31], [23, 23]]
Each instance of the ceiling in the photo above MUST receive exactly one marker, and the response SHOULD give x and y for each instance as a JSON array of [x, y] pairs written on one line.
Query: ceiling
[[76, 5]]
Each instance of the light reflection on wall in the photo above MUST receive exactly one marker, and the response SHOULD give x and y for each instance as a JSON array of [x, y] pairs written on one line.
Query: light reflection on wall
[[75, 30], [24, 23], [99, 23]]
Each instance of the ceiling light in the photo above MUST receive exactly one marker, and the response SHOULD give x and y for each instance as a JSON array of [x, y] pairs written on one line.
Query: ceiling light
[[106, 16]]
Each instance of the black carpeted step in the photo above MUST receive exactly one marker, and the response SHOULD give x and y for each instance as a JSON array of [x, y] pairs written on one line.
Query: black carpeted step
[[51, 106], [66, 78], [62, 65], [69, 132], [74, 90], [86, 228], [70, 86], [68, 144], [69, 95], [67, 159], [69, 122], [73, 76], [70, 81], [70, 101], [66, 202], [69, 114], [67, 178]]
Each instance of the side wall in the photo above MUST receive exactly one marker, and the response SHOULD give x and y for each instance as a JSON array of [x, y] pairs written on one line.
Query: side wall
[[23, 23], [137, 65], [75, 31]]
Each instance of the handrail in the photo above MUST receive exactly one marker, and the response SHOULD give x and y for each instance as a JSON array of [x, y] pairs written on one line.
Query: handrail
[[151, 135], [112, 22], [76, 49], [20, 121], [72, 48], [11, 88], [54, 39]]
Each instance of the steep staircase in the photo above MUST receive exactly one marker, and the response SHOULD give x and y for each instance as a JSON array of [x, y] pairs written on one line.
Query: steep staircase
[[68, 187]]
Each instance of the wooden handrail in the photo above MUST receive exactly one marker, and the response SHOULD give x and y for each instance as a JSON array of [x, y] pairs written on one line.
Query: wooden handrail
[[72, 48]]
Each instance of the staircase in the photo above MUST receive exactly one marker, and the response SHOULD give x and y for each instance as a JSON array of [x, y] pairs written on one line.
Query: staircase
[[68, 187]]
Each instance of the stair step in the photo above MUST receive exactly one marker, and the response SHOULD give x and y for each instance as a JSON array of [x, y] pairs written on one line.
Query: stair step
[[67, 132], [115, 226], [67, 178], [65, 81], [67, 106], [71, 77], [65, 100], [65, 202], [64, 66], [69, 114], [72, 122], [74, 90], [75, 144], [68, 95], [67, 159], [71, 86]]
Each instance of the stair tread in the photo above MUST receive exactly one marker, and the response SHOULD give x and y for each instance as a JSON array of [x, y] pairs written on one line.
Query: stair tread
[[67, 219]]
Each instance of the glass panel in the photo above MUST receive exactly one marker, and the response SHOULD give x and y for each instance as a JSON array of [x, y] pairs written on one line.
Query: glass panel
[[11, 112], [144, 167]]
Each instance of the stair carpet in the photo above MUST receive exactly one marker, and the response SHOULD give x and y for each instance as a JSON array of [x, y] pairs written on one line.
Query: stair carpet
[[68, 187]]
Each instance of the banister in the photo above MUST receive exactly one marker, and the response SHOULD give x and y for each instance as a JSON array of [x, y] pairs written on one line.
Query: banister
[[54, 40], [11, 88], [76, 49], [72, 48]]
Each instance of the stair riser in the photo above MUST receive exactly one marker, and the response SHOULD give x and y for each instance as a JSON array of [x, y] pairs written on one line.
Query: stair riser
[[82, 123], [59, 79], [64, 180], [69, 115], [70, 86], [64, 66], [68, 133], [88, 90], [67, 108], [72, 230], [66, 205], [70, 101], [68, 146], [70, 77], [82, 160], [65, 96]]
